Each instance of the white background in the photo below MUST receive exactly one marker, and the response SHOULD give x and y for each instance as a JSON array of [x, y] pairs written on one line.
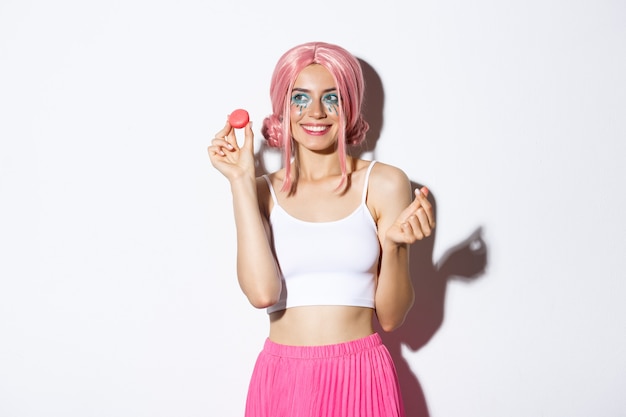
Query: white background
[[118, 294]]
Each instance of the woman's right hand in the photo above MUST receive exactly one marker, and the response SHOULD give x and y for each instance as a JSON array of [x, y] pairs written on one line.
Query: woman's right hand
[[227, 157]]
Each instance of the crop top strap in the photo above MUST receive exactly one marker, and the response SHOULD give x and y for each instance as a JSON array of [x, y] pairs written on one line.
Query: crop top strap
[[269, 185], [366, 182]]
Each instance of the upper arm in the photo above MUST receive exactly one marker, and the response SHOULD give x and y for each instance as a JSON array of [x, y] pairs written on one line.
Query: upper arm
[[389, 194], [264, 200]]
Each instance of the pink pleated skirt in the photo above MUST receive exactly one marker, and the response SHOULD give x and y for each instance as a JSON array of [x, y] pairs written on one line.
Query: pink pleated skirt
[[352, 379]]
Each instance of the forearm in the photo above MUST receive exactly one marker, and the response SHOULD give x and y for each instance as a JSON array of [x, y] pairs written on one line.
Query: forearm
[[256, 267], [394, 292]]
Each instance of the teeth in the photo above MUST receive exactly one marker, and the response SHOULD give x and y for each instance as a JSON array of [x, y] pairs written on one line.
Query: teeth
[[315, 128]]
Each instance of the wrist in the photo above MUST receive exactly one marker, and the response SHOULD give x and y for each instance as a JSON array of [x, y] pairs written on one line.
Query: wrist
[[389, 246], [243, 185], [242, 180]]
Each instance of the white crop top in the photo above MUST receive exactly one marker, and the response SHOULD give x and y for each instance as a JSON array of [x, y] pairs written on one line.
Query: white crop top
[[326, 263]]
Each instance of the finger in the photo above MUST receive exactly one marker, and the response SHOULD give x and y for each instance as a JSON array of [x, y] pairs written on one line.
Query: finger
[[424, 222], [248, 137], [226, 130], [223, 142], [413, 228], [410, 210], [215, 151], [422, 196], [231, 141]]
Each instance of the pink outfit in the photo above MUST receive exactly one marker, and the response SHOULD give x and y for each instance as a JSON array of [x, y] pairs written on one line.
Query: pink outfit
[[352, 379], [325, 263]]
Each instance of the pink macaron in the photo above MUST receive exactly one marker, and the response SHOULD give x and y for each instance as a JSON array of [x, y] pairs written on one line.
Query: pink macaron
[[239, 118]]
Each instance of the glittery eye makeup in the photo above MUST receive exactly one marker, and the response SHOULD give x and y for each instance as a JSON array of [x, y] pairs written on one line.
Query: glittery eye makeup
[[331, 100], [302, 101]]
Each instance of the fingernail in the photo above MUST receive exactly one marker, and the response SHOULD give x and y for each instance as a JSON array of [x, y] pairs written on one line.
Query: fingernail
[[424, 191]]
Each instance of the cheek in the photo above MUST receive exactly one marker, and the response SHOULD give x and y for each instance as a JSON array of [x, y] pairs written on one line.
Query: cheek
[[297, 110], [293, 125], [296, 113], [332, 109]]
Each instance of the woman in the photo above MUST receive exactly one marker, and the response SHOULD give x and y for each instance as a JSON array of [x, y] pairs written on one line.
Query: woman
[[322, 244]]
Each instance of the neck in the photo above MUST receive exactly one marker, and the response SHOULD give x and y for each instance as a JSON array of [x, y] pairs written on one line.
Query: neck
[[315, 166]]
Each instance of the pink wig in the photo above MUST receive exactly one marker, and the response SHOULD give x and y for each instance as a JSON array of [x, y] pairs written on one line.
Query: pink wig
[[348, 76]]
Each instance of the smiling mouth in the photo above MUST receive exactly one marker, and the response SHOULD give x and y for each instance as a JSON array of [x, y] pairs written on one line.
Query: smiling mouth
[[316, 129]]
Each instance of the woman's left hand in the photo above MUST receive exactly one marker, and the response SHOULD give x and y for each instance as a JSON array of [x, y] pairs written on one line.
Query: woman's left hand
[[415, 222]]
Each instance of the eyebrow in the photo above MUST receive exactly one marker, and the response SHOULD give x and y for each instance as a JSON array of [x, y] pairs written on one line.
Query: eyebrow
[[304, 90]]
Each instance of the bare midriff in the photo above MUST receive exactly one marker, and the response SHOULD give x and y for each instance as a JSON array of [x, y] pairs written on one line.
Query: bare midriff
[[320, 325]]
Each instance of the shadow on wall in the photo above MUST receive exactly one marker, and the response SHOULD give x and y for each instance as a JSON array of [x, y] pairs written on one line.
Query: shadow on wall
[[466, 260]]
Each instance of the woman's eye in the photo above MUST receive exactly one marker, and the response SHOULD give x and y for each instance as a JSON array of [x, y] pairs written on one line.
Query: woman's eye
[[300, 99], [331, 98]]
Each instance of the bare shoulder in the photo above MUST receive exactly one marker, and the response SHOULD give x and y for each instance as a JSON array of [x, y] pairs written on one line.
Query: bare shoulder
[[388, 179], [389, 190]]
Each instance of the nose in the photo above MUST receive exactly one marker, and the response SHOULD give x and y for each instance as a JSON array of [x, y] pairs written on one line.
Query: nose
[[317, 109]]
